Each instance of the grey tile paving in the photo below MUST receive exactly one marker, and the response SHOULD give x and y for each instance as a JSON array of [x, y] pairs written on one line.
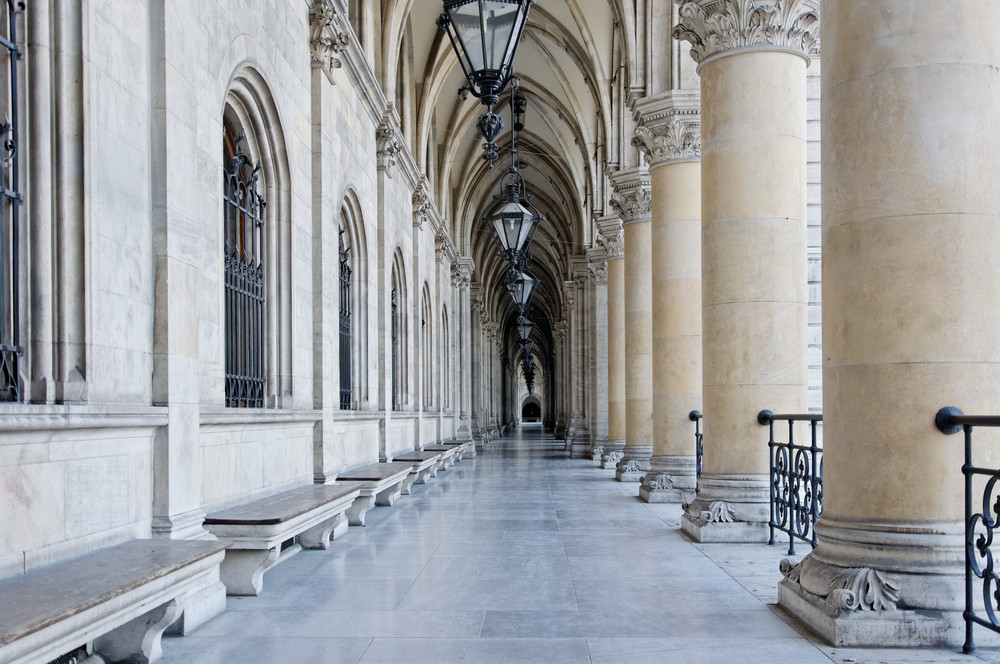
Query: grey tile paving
[[523, 555]]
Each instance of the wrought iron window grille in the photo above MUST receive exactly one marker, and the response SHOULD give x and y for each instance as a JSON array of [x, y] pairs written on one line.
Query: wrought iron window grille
[[796, 479], [345, 324], [395, 332], [11, 350], [245, 287]]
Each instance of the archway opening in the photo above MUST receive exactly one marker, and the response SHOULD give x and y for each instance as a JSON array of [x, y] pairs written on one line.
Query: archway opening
[[531, 411]]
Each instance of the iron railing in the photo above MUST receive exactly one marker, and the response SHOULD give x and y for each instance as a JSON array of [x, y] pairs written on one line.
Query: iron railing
[[979, 564], [796, 479], [11, 350], [244, 228], [695, 417]]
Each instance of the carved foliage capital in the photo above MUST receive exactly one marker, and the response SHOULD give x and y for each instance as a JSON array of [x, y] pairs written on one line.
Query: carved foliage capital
[[633, 203], [677, 140], [461, 275], [327, 35], [717, 26], [421, 203], [611, 236], [387, 143]]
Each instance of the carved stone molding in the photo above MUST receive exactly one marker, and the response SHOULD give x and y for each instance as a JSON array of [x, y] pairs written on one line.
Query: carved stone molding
[[328, 37], [677, 140], [611, 236], [661, 482], [612, 458], [598, 266], [461, 274], [714, 27], [443, 247], [387, 143], [421, 203]]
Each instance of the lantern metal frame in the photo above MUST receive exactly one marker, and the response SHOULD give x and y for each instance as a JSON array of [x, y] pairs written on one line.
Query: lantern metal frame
[[485, 82]]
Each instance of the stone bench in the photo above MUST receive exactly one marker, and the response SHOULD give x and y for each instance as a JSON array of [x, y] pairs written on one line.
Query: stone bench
[[424, 464], [260, 530], [380, 484], [122, 598], [448, 454], [465, 448]]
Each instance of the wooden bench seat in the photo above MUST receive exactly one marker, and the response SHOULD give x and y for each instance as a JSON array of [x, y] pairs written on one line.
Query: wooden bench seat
[[121, 598], [424, 464], [448, 454], [380, 484], [309, 514]]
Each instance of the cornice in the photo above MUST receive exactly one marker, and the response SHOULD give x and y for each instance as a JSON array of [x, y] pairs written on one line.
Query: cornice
[[720, 27]]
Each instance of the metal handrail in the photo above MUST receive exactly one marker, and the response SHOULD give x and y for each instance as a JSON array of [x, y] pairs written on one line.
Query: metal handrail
[[699, 450], [978, 553], [796, 479]]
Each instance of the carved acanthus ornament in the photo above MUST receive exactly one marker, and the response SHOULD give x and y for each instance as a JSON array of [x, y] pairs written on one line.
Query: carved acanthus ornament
[[634, 203], [661, 482], [718, 512], [387, 143], [611, 237], [443, 247], [421, 203], [717, 26], [677, 140], [328, 38], [613, 457], [460, 276], [854, 589]]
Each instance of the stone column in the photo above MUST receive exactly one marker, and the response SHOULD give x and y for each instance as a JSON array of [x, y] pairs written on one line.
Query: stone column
[[597, 358], [562, 382], [911, 282], [476, 365], [632, 201], [612, 238], [752, 60], [670, 139], [580, 446], [461, 272]]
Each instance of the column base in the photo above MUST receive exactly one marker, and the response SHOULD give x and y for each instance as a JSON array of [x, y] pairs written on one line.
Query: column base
[[613, 453], [671, 479], [729, 509], [634, 463], [581, 447], [185, 526], [894, 586]]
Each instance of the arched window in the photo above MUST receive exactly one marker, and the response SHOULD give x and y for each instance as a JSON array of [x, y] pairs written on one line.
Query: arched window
[[399, 360], [445, 363], [243, 219], [345, 322], [427, 363]]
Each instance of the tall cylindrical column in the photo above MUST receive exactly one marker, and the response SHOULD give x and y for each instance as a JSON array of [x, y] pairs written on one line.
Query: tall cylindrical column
[[671, 142], [598, 355], [613, 239], [754, 299], [461, 271], [911, 288], [632, 201]]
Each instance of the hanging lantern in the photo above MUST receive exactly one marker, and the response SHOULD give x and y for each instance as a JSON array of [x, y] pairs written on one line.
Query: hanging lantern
[[524, 327], [485, 35], [521, 285]]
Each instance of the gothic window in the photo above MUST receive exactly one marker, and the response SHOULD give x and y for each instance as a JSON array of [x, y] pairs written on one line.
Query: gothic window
[[345, 322], [11, 350], [244, 275], [427, 349], [394, 323]]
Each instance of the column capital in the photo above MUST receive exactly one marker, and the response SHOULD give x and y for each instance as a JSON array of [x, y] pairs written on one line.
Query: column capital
[[387, 144], [461, 272], [327, 36], [633, 197], [611, 236], [719, 27], [597, 263], [421, 203], [443, 247], [669, 127]]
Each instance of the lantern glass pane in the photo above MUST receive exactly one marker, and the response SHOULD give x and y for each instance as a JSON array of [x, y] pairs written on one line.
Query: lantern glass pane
[[509, 225], [485, 28]]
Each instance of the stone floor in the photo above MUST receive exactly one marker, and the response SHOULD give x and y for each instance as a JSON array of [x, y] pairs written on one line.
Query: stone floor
[[522, 555]]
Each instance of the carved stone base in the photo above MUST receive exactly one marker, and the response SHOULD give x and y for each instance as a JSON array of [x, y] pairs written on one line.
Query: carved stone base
[[869, 628], [729, 509], [631, 470], [598, 452], [671, 479], [613, 453], [865, 585]]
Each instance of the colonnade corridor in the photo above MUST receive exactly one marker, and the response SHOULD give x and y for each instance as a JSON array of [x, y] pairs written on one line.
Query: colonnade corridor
[[521, 555]]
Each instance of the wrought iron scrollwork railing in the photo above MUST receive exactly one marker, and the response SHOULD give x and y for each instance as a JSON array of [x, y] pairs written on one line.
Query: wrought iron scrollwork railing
[[796, 479], [699, 450], [981, 526], [11, 350]]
